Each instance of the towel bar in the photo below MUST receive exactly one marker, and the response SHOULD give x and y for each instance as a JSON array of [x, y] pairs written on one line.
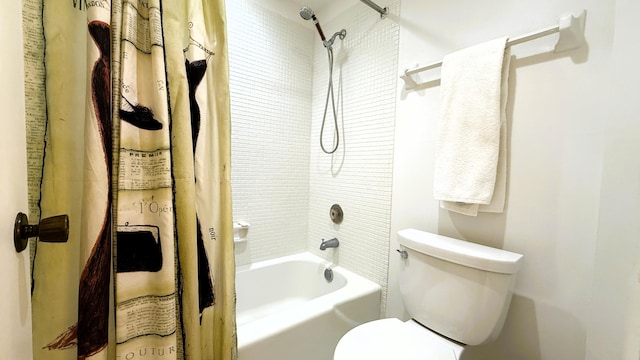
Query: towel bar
[[570, 27]]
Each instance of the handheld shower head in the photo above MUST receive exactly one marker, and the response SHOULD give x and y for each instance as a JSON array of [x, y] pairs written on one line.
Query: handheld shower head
[[308, 14]]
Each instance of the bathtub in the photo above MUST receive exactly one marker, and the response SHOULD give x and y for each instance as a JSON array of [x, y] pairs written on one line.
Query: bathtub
[[286, 310]]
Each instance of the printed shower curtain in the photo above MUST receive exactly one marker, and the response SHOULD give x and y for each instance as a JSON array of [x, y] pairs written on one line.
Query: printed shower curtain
[[137, 153]]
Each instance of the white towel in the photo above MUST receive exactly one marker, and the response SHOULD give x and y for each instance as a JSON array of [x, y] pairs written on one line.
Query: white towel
[[471, 159]]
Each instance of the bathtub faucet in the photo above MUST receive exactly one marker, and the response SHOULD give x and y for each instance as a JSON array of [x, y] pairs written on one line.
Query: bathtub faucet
[[331, 243]]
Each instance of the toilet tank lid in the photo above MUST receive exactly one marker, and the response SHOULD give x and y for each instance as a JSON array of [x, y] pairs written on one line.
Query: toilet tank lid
[[460, 252]]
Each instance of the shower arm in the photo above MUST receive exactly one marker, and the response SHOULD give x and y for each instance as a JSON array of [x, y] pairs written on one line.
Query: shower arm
[[329, 43], [383, 11]]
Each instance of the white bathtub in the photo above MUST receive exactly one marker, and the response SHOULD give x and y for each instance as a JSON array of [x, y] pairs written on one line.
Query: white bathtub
[[286, 310]]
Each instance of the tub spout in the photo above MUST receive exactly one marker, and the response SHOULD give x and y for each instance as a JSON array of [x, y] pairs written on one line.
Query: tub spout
[[331, 243]]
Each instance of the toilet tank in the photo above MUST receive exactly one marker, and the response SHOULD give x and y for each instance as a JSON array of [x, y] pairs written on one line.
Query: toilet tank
[[459, 289]]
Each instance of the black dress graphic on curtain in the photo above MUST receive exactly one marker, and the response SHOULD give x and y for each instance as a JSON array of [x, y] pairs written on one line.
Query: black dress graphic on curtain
[[90, 334], [195, 73]]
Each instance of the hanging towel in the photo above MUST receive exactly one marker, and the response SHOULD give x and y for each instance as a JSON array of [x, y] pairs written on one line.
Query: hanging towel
[[471, 160]]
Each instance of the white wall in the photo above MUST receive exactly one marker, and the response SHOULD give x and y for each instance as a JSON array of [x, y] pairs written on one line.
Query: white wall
[[568, 173], [613, 326], [15, 305]]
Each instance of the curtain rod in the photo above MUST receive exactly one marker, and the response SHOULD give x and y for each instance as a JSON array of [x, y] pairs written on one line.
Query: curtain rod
[[383, 11], [571, 29]]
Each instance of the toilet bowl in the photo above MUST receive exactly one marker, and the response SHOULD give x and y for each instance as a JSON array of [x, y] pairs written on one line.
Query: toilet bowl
[[393, 339], [457, 293]]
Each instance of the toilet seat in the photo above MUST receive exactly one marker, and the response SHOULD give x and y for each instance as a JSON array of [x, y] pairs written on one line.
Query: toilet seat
[[393, 339]]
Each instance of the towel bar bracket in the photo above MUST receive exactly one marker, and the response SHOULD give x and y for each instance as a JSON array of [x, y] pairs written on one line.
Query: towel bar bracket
[[571, 29]]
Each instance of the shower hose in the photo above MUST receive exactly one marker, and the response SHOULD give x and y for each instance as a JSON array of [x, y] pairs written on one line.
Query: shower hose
[[330, 93]]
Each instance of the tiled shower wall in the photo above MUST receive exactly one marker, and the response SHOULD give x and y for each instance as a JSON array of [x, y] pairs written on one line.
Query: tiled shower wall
[[282, 183], [358, 175], [270, 61]]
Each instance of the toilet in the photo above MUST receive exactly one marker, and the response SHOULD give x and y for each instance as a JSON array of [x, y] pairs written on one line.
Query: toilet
[[456, 292]]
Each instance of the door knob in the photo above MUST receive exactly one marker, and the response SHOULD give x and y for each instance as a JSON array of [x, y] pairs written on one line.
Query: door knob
[[52, 229]]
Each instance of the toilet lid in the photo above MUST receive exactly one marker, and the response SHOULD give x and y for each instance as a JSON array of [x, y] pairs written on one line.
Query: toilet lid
[[393, 339]]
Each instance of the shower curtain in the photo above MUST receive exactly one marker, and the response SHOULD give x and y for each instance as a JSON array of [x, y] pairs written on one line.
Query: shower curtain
[[136, 112]]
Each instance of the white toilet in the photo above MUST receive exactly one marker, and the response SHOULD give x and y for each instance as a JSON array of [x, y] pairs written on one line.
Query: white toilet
[[457, 293]]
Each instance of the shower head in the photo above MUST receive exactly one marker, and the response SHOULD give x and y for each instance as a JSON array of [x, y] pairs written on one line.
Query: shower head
[[308, 14]]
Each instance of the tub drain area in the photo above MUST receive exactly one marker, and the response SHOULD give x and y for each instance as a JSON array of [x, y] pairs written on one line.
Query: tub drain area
[[328, 275]]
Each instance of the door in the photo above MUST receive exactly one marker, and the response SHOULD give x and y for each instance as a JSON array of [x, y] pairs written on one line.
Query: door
[[15, 298]]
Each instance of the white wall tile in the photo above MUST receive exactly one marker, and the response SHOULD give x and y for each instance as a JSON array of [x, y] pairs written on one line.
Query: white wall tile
[[270, 60], [358, 175]]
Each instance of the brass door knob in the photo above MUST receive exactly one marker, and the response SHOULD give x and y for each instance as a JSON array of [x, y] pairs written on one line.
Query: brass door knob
[[52, 229]]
